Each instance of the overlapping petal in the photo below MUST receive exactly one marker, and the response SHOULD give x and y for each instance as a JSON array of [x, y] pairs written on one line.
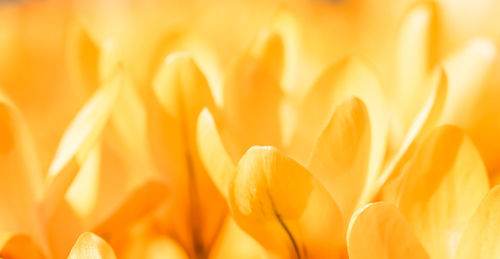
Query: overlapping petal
[[444, 183], [341, 156], [379, 230], [294, 213]]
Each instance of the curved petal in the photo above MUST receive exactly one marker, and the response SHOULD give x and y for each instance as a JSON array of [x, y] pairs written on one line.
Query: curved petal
[[232, 242], [340, 159], [253, 96], [20, 175], [213, 154], [182, 91], [380, 231], [482, 235], [139, 203], [143, 241], [89, 245], [445, 181], [430, 113], [278, 203], [351, 77], [467, 71], [80, 137], [19, 246], [415, 58]]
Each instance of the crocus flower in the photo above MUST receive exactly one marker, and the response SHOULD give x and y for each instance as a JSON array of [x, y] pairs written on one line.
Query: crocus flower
[[249, 129]]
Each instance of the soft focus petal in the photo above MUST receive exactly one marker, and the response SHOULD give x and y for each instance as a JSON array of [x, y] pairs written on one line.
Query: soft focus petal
[[182, 91], [80, 137], [20, 175], [429, 114], [340, 159], [482, 235], [351, 77], [445, 181], [415, 58], [89, 245], [467, 70], [19, 246], [235, 243], [288, 212], [380, 231], [252, 96], [142, 241], [213, 154]]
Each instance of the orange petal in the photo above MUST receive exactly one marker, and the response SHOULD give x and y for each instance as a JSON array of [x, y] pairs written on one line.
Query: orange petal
[[89, 245], [232, 242], [445, 181], [340, 158], [140, 202], [380, 231], [144, 241], [20, 175], [19, 246], [80, 137], [482, 235], [183, 92]]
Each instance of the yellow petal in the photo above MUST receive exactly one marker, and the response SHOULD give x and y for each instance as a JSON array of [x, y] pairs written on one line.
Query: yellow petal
[[89, 245], [379, 230], [80, 137], [82, 55], [235, 243], [278, 203], [482, 235], [416, 44], [445, 181], [20, 175], [426, 119], [144, 241], [252, 97], [139, 203], [182, 91], [340, 158], [19, 246], [213, 154], [82, 193], [467, 71], [351, 77]]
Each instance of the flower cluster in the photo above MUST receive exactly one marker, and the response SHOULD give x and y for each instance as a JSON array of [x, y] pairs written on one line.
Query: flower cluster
[[249, 129]]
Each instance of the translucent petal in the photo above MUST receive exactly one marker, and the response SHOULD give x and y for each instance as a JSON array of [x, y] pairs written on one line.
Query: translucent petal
[[19, 246], [278, 203], [80, 137], [445, 181], [213, 154], [482, 235], [20, 175], [89, 245], [379, 230], [351, 77], [415, 57], [340, 158], [233, 242], [429, 114]]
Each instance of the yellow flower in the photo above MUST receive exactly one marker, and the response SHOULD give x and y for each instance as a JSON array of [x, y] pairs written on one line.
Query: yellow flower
[[249, 129]]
